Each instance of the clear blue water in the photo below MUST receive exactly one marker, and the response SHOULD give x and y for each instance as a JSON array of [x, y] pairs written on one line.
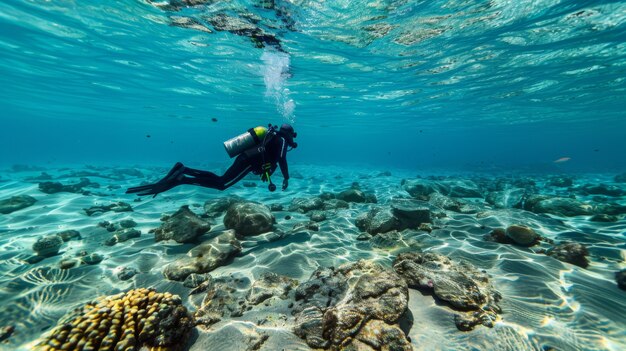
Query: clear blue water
[[449, 84], [488, 93]]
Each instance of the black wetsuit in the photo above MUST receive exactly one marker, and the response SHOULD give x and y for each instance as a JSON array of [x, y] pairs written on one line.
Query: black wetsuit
[[275, 154]]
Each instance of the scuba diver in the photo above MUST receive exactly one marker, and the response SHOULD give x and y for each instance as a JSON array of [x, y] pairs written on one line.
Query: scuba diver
[[259, 150]]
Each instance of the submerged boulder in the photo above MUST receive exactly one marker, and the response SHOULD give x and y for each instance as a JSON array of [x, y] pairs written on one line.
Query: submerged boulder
[[355, 306], [510, 198], [249, 218], [122, 235], [356, 195], [204, 257], [378, 220], [561, 206], [420, 188], [561, 181], [410, 213], [214, 208], [183, 226], [48, 246], [16, 203], [307, 204], [461, 285], [601, 189], [522, 235], [573, 253], [56, 187], [114, 207]]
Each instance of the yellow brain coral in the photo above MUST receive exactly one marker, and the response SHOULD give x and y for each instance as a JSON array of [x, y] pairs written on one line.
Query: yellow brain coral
[[123, 322]]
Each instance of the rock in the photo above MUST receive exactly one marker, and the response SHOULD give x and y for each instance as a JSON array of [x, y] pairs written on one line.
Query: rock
[[378, 220], [147, 320], [48, 246], [204, 257], [56, 187], [603, 218], [389, 240], [317, 216], [420, 188], [355, 195], [611, 209], [270, 285], [601, 189], [94, 258], [620, 278], [561, 182], [325, 196], [122, 235], [109, 226], [620, 178], [510, 198], [426, 227], [214, 208], [306, 205], [68, 235], [522, 235], [126, 273], [463, 188], [364, 237], [6, 332], [194, 280], [461, 285], [325, 318], [562, 207], [128, 223], [444, 202], [378, 335], [334, 204], [249, 218], [115, 207], [310, 225], [573, 253], [410, 213], [276, 207], [16, 203], [225, 297], [183, 226], [498, 235], [68, 263]]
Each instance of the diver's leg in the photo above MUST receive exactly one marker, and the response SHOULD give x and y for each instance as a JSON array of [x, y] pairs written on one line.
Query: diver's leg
[[172, 179], [239, 169]]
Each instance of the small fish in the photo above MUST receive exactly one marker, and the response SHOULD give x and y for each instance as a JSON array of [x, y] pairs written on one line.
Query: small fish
[[563, 159], [148, 135], [214, 119]]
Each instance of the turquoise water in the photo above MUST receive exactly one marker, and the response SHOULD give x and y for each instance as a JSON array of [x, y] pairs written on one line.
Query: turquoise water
[[489, 96], [513, 83]]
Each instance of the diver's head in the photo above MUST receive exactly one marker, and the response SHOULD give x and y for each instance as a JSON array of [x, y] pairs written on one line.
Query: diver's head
[[287, 132]]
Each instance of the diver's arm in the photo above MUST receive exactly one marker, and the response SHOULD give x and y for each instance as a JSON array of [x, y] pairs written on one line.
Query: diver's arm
[[282, 160]]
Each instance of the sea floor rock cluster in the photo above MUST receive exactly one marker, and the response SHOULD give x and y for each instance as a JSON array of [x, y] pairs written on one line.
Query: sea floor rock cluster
[[355, 306]]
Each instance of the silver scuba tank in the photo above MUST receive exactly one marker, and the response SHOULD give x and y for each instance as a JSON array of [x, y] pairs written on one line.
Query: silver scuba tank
[[245, 141]]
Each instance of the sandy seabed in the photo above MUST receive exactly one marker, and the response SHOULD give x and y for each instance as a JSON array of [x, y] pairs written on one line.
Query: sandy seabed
[[546, 304]]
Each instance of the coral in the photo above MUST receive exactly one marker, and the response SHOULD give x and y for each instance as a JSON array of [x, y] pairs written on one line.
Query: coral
[[137, 319]]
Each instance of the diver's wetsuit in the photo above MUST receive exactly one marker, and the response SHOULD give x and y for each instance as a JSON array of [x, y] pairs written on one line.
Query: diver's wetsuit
[[275, 154]]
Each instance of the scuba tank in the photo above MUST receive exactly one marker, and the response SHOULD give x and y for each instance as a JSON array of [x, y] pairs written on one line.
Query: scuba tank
[[245, 141]]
